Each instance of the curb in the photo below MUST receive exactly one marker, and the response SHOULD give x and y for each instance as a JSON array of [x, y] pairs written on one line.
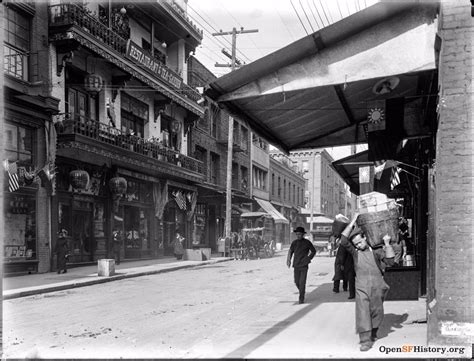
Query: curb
[[83, 282]]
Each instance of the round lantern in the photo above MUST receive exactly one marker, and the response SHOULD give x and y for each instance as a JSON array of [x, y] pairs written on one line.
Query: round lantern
[[93, 83], [118, 185], [79, 179]]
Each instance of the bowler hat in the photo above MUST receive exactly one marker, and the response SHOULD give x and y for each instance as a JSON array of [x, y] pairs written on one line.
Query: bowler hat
[[299, 230]]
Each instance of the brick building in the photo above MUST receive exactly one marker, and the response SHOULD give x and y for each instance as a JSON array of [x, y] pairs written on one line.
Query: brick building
[[208, 143]]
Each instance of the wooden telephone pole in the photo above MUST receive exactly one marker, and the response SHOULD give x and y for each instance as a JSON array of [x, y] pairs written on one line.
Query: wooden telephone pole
[[234, 63]]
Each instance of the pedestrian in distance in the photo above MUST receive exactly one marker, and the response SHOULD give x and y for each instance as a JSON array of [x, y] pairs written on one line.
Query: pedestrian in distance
[[302, 251], [344, 271], [371, 289], [178, 248], [117, 236], [62, 251]]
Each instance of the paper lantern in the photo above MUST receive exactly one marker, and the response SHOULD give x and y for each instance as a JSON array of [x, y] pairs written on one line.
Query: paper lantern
[[93, 83], [118, 185], [79, 179]]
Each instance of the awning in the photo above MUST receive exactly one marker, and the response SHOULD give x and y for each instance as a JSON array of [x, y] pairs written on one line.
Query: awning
[[254, 214], [316, 91], [348, 169], [268, 207], [320, 219]]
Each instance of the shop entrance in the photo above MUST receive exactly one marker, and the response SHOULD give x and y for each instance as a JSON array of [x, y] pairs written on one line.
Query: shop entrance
[[82, 236], [173, 219]]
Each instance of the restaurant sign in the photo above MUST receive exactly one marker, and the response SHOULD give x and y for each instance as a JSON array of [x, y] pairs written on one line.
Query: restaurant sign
[[152, 65]]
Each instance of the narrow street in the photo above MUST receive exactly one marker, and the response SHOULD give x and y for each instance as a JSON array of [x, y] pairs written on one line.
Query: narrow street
[[235, 309]]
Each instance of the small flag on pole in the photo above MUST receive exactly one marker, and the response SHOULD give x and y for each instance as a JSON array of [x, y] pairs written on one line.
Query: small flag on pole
[[395, 177], [12, 170]]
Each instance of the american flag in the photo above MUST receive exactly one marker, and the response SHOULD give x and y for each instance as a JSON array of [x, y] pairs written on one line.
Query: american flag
[[12, 170], [395, 177], [180, 199]]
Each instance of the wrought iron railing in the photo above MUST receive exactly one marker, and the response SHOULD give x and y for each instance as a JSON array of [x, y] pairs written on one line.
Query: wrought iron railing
[[175, 9], [72, 14], [78, 124]]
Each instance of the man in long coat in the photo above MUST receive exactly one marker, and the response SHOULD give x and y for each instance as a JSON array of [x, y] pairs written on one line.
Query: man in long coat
[[371, 288]]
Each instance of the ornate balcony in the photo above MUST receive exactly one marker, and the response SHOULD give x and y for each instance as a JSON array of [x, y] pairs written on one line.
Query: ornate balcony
[[112, 142], [176, 11], [71, 24]]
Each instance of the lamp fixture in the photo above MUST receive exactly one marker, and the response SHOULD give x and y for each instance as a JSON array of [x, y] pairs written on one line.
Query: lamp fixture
[[386, 85], [123, 11], [164, 45]]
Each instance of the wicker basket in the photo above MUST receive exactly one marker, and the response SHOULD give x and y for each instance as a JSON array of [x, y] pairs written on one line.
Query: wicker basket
[[377, 224]]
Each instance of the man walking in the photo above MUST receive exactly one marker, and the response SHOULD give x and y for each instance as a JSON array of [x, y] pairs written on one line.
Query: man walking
[[303, 252], [371, 288]]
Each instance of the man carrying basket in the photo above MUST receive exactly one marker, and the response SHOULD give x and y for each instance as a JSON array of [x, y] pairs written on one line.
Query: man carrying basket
[[371, 289]]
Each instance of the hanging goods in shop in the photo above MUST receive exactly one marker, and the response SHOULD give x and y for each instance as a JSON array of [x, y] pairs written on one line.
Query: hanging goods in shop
[[375, 225], [79, 179]]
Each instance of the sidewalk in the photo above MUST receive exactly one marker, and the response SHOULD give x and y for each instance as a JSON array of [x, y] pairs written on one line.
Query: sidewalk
[[27, 285]]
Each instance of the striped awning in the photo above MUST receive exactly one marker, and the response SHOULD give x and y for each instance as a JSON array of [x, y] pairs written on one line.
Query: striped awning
[[268, 207]]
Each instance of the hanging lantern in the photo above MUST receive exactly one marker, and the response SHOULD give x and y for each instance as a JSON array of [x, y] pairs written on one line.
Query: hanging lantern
[[79, 179], [175, 126], [118, 185], [93, 83]]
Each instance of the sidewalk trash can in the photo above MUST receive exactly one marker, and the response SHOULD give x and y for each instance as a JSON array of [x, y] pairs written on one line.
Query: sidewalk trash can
[[106, 267]]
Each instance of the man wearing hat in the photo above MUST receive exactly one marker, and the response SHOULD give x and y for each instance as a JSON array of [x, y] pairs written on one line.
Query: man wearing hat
[[371, 288], [62, 251], [303, 252]]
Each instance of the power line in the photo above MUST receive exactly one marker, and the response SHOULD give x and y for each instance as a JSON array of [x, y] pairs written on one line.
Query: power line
[[304, 11], [291, 1], [314, 16], [319, 14], [256, 47], [215, 30], [324, 11], [339, 8]]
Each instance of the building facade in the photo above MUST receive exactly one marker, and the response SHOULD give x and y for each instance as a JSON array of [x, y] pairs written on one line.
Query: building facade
[[98, 126], [209, 144], [287, 186]]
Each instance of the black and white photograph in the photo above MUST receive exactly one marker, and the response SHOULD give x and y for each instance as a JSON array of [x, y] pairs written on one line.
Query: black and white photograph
[[252, 179]]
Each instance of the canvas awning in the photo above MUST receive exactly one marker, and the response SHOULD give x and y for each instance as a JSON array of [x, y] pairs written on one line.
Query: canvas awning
[[272, 211], [348, 169], [316, 91]]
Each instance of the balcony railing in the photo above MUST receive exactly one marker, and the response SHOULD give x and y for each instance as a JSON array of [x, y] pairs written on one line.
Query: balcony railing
[[78, 124], [72, 14], [175, 9]]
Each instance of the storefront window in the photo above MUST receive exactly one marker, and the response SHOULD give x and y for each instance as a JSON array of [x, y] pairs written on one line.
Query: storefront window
[[199, 236], [20, 227], [136, 230]]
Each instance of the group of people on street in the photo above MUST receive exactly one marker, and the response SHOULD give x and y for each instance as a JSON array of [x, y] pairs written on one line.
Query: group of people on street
[[357, 263]]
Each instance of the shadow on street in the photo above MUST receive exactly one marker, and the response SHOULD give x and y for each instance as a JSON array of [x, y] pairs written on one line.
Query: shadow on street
[[322, 294]]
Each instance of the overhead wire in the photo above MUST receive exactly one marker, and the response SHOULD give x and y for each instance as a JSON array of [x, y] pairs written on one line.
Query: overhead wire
[[324, 11], [339, 8], [319, 15], [250, 38], [215, 30], [306, 31], [304, 11], [314, 16]]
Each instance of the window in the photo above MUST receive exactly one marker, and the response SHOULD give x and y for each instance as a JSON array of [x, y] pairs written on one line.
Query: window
[[273, 184], [305, 166], [259, 178], [16, 44], [284, 189], [245, 178], [235, 175], [19, 144], [213, 115], [134, 115], [214, 168], [279, 187], [244, 139]]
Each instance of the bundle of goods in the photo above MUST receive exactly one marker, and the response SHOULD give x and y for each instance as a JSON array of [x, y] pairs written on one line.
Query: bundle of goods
[[339, 224], [378, 217]]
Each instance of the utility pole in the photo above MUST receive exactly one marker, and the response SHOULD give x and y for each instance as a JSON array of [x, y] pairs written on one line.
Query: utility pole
[[234, 63]]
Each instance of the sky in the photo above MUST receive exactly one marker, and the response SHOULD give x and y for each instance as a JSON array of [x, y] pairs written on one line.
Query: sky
[[279, 23]]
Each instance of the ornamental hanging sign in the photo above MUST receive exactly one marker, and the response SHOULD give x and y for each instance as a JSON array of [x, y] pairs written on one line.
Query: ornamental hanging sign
[[152, 65]]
